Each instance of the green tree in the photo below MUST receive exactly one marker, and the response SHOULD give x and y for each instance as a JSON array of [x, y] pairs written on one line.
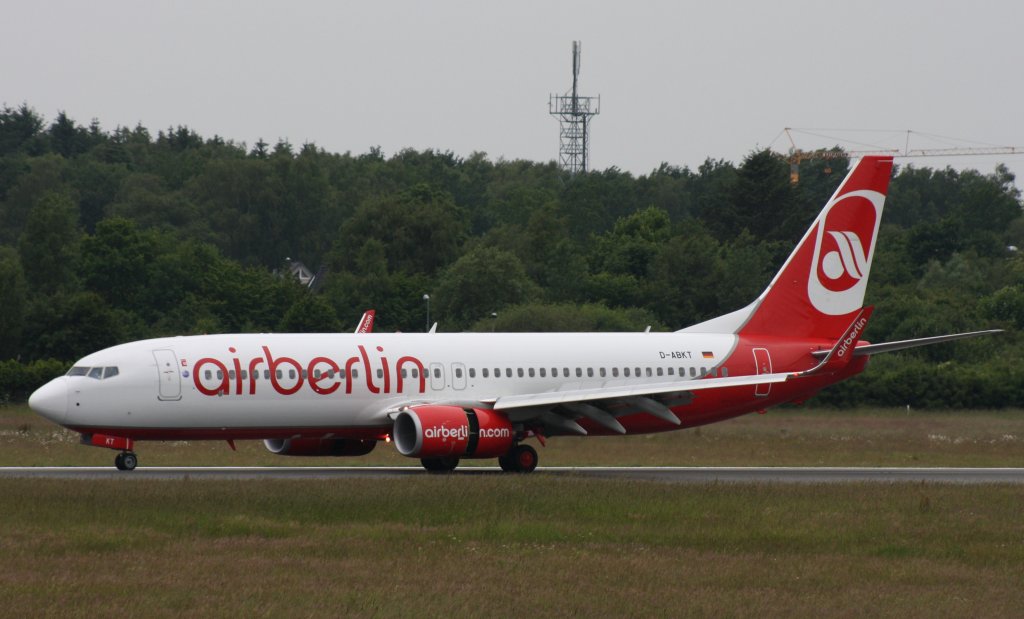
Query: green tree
[[13, 299], [310, 313], [49, 244], [482, 281]]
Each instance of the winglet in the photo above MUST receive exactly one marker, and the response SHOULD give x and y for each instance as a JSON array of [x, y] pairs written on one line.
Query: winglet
[[842, 352], [366, 322]]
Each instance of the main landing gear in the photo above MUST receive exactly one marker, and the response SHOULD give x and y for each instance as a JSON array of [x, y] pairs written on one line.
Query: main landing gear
[[440, 465], [519, 459], [126, 461]]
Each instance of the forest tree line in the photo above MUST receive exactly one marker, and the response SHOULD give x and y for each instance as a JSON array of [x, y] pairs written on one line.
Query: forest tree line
[[113, 236]]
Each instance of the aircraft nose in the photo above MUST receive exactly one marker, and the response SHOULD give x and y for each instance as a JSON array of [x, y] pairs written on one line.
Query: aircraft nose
[[51, 400]]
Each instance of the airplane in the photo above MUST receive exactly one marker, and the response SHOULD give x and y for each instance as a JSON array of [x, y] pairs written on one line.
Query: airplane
[[444, 397]]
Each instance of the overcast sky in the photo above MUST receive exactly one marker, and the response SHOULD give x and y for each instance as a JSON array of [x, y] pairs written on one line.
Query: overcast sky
[[679, 81]]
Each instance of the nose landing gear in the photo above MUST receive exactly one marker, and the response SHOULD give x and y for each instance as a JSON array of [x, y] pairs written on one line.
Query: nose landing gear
[[126, 461]]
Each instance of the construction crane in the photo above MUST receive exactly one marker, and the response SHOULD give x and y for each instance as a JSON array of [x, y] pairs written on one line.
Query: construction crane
[[795, 155]]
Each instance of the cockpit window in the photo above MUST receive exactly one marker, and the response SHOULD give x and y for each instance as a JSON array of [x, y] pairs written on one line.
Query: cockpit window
[[97, 373]]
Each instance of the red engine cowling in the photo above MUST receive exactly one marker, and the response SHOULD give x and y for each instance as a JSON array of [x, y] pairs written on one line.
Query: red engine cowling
[[439, 431], [319, 446]]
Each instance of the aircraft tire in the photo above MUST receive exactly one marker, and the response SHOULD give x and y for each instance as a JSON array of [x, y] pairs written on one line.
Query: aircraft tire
[[506, 464], [129, 461], [523, 459], [119, 461], [440, 465]]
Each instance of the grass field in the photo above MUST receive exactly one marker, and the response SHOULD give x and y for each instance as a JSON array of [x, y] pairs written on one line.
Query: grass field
[[782, 437], [508, 546], [539, 545]]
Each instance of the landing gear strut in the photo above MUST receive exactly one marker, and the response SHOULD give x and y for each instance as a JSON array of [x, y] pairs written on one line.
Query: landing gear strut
[[519, 459], [126, 461]]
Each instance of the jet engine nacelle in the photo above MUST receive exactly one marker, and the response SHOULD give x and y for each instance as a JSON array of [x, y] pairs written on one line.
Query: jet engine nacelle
[[319, 446], [441, 431]]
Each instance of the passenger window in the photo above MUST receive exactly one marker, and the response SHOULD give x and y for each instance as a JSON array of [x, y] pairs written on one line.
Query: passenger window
[[208, 374], [220, 375], [231, 375], [304, 374], [725, 372], [280, 374], [472, 372], [671, 371], [405, 373], [590, 372], [659, 372], [615, 372], [530, 372], [96, 373], [497, 372], [519, 371], [245, 375], [78, 371], [485, 372], [693, 372], [415, 373], [543, 373], [437, 372], [508, 372], [682, 371], [579, 372], [565, 372], [266, 374], [637, 372], [110, 372], [625, 372], [602, 372], [380, 373], [458, 373], [355, 373], [316, 374], [703, 371], [648, 372], [330, 373]]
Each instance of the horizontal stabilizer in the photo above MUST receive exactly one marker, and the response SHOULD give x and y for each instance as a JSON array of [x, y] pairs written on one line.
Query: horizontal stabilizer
[[874, 349]]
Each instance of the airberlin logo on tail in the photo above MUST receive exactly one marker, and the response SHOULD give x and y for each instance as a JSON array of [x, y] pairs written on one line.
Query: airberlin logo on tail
[[849, 259], [843, 249]]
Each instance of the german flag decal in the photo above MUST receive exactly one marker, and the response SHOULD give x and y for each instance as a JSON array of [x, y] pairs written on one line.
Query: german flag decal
[[708, 354]]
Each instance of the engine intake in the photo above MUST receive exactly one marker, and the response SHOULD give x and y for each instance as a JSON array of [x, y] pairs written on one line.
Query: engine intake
[[440, 431], [319, 446]]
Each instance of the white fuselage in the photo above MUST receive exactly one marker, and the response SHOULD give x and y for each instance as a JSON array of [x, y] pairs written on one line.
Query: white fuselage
[[349, 380]]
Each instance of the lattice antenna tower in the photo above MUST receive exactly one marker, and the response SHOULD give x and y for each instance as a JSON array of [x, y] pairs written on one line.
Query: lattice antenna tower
[[574, 113]]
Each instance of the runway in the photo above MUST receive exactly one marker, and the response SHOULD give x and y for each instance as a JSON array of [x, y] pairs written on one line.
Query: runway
[[685, 475]]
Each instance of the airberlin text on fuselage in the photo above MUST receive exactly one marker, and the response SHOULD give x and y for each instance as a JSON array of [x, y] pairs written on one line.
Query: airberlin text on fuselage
[[322, 375]]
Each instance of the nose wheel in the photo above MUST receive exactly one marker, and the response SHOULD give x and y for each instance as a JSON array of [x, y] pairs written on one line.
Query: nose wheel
[[126, 461]]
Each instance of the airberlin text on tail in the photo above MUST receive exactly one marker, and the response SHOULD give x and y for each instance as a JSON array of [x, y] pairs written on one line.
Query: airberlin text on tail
[[821, 286]]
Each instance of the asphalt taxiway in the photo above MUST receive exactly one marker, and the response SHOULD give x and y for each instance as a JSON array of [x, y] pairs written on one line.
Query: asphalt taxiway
[[693, 475]]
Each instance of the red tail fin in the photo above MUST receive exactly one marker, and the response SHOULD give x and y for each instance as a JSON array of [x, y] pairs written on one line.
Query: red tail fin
[[821, 286]]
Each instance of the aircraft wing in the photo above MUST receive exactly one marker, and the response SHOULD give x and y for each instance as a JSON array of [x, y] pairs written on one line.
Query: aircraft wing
[[558, 410], [552, 398]]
